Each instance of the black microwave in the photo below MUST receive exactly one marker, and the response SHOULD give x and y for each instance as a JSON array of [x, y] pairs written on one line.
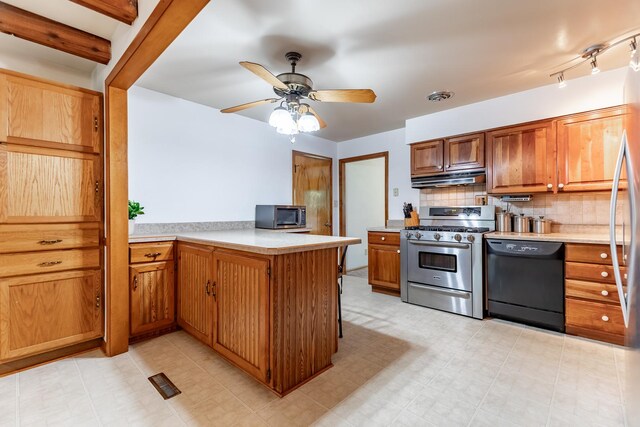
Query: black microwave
[[281, 216]]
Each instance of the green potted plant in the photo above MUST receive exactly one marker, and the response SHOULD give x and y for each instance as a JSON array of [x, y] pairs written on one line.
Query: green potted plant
[[134, 210]]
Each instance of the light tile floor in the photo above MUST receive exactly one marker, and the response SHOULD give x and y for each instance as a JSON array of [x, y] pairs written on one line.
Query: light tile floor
[[398, 365]]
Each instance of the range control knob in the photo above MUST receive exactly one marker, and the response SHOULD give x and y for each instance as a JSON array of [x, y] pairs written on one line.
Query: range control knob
[[437, 236], [471, 238], [418, 235], [457, 237], [409, 235]]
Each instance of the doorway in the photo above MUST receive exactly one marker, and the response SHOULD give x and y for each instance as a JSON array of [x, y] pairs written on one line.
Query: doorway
[[313, 188], [364, 182]]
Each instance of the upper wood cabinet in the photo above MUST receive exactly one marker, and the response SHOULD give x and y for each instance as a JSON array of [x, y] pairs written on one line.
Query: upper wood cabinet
[[588, 146], [35, 112], [521, 159], [195, 290], [42, 185], [152, 296], [44, 312], [464, 152], [241, 320], [460, 153]]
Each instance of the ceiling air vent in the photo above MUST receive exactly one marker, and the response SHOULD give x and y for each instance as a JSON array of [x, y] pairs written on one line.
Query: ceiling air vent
[[440, 95]]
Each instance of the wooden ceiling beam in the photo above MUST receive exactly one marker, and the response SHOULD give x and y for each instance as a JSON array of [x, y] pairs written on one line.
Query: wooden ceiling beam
[[123, 10], [53, 34]]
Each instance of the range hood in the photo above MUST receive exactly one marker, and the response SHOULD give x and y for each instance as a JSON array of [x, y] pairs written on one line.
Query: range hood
[[448, 180]]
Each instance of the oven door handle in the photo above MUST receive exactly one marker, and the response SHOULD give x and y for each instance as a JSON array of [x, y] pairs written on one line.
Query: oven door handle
[[450, 292], [441, 245]]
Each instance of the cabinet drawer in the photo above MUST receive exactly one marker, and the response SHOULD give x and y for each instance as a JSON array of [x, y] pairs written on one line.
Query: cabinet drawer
[[603, 292], [381, 238], [31, 238], [592, 272], [150, 252], [598, 254], [595, 316], [49, 261]]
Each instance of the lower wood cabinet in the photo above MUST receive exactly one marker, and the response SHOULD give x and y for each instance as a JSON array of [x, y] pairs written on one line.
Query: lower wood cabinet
[[152, 290], [44, 312], [384, 262], [195, 297]]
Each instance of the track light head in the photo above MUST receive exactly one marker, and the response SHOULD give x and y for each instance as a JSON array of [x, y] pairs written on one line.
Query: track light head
[[561, 82], [594, 66]]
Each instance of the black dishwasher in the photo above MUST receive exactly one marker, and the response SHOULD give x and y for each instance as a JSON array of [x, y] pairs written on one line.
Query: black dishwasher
[[525, 282]]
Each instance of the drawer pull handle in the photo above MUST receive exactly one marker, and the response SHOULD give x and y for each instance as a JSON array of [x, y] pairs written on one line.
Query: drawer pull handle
[[398, 251], [605, 318], [135, 282], [49, 263], [383, 238], [603, 255], [49, 242], [153, 254], [625, 275], [206, 287], [98, 301], [604, 274], [605, 293]]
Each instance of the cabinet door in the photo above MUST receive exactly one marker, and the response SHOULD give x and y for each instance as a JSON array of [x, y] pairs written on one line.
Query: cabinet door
[[41, 185], [427, 158], [195, 299], [241, 325], [38, 113], [152, 296], [384, 266], [48, 311], [522, 159], [464, 153], [588, 146]]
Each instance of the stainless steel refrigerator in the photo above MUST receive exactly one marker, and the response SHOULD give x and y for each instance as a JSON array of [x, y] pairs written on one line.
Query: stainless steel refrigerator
[[625, 230]]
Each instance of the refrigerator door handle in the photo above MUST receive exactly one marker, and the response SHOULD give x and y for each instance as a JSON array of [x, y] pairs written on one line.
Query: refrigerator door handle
[[612, 229]]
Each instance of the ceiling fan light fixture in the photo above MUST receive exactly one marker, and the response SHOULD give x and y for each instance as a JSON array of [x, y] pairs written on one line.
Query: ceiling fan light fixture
[[288, 126], [279, 116], [308, 123]]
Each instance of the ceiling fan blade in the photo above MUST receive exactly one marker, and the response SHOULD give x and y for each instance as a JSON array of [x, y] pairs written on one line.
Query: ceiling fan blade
[[264, 74], [323, 124], [343, 95], [249, 105]]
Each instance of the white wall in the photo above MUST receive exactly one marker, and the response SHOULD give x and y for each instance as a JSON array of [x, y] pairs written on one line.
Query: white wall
[[364, 205], [46, 70], [399, 173], [189, 162], [582, 94]]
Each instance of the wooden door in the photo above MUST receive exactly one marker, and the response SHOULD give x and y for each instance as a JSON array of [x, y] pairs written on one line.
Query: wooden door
[[241, 324], [33, 112], [588, 146], [42, 185], [384, 266], [312, 187], [152, 296], [464, 153], [195, 298], [48, 311], [427, 158], [522, 159]]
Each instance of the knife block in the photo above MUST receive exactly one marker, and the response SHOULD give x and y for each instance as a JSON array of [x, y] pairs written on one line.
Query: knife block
[[414, 221]]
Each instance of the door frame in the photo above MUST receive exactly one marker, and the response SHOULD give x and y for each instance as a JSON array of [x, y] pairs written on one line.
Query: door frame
[[162, 27], [295, 153], [343, 163]]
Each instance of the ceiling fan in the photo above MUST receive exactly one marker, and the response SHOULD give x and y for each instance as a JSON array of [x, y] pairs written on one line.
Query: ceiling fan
[[293, 115]]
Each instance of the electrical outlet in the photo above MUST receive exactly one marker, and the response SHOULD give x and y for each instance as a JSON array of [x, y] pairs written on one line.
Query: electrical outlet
[[481, 200], [366, 251], [335, 203], [395, 192]]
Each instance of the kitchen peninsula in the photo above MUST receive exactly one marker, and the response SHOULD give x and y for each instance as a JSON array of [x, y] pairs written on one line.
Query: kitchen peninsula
[[266, 301]]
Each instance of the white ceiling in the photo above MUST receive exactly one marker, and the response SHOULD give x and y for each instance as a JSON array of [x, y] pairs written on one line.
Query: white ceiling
[[403, 50]]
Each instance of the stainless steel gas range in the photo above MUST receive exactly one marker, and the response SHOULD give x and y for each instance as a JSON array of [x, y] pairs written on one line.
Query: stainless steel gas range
[[441, 260]]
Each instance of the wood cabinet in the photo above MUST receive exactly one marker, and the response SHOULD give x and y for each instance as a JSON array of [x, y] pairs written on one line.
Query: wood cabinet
[[152, 290], [241, 311], [588, 146], [592, 301], [384, 262], [34, 112], [521, 159], [44, 312], [195, 297], [427, 158], [455, 154]]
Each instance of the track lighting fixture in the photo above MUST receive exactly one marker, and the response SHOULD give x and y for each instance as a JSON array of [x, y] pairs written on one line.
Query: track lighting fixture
[[634, 63], [594, 66], [561, 82]]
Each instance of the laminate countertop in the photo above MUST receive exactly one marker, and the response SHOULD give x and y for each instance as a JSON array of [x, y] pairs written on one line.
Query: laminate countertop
[[265, 242], [592, 238], [385, 229]]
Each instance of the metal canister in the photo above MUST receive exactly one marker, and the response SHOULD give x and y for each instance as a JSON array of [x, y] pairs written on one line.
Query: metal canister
[[504, 221], [541, 225], [522, 224]]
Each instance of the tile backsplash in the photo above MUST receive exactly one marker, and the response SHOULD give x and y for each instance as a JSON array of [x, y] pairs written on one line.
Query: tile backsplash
[[570, 209]]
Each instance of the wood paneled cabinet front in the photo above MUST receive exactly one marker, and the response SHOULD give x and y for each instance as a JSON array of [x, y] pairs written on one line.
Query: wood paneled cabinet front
[[427, 158], [455, 154], [45, 312], [384, 262], [152, 290]]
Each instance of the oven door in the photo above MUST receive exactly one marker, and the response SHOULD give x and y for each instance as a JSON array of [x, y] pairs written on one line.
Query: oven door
[[446, 265]]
